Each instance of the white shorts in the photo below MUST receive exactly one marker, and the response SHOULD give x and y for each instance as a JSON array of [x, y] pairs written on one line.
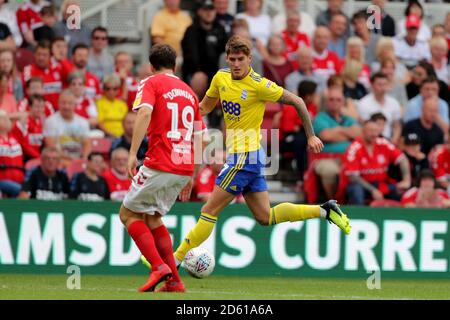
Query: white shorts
[[154, 191]]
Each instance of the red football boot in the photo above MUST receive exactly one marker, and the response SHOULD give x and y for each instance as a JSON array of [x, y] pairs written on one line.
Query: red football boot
[[172, 286], [156, 276]]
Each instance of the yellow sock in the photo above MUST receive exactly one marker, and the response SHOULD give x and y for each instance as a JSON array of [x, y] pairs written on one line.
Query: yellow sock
[[197, 235], [292, 212]]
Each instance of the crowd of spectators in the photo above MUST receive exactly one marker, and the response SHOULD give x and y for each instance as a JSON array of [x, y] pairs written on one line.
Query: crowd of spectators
[[379, 98]]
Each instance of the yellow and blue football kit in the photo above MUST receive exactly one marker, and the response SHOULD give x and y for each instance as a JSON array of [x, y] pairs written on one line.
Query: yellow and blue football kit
[[243, 105]]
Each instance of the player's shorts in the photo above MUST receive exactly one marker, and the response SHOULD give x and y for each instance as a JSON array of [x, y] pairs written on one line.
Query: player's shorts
[[243, 172], [154, 191]]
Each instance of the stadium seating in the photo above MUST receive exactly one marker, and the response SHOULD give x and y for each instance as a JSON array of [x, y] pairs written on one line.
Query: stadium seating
[[33, 163], [76, 166], [101, 145]]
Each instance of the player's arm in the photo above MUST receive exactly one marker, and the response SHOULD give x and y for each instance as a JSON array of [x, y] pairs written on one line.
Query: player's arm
[[207, 105], [314, 142], [143, 118]]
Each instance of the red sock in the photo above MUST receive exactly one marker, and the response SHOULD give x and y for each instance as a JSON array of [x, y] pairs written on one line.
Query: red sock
[[163, 243], [143, 238]]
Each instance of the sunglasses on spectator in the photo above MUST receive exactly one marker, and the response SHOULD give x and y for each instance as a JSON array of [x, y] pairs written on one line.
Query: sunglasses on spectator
[[111, 88]]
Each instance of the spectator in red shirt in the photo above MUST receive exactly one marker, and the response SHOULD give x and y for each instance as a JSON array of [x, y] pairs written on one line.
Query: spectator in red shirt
[[293, 38], [50, 73], [29, 19], [366, 165], [29, 131], [80, 57], [60, 51], [34, 86], [426, 195], [86, 107], [11, 159], [129, 85], [440, 163], [116, 178], [325, 62]]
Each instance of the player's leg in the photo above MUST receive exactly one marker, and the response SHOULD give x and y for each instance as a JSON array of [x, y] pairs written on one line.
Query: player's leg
[[164, 246], [259, 205], [142, 236], [218, 200], [257, 199]]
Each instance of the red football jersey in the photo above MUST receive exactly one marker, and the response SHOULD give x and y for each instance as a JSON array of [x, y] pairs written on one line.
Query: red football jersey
[[24, 106], [326, 64], [28, 17], [413, 196], [11, 159], [292, 45], [118, 184], [132, 86], [371, 167], [86, 108], [204, 183], [52, 78], [440, 162], [92, 84], [30, 136], [175, 118]]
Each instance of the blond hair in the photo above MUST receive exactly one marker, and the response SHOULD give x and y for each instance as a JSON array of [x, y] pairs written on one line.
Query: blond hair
[[351, 70], [238, 44], [382, 44], [356, 41], [439, 42]]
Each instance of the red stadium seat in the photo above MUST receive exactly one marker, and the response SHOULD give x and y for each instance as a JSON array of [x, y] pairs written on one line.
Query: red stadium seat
[[24, 57], [33, 163], [385, 203], [76, 166], [101, 145]]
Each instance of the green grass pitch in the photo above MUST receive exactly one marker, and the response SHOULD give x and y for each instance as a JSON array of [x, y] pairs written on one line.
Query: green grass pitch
[[219, 288]]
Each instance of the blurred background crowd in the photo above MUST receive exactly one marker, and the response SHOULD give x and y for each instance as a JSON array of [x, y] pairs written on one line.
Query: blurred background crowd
[[377, 89]]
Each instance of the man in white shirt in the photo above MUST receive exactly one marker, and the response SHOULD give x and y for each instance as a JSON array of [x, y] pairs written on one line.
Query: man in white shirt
[[67, 131], [307, 24], [409, 49], [379, 101]]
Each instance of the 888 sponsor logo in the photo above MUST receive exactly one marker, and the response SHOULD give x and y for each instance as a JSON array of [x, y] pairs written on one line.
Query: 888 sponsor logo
[[231, 108]]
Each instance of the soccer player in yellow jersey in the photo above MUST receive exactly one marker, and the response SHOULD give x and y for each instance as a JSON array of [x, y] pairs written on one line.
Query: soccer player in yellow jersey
[[243, 94]]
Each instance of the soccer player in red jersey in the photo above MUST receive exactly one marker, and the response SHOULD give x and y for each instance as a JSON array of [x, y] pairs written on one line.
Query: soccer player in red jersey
[[170, 109]]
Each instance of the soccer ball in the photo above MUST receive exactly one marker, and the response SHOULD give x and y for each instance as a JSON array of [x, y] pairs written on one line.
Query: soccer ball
[[199, 263]]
